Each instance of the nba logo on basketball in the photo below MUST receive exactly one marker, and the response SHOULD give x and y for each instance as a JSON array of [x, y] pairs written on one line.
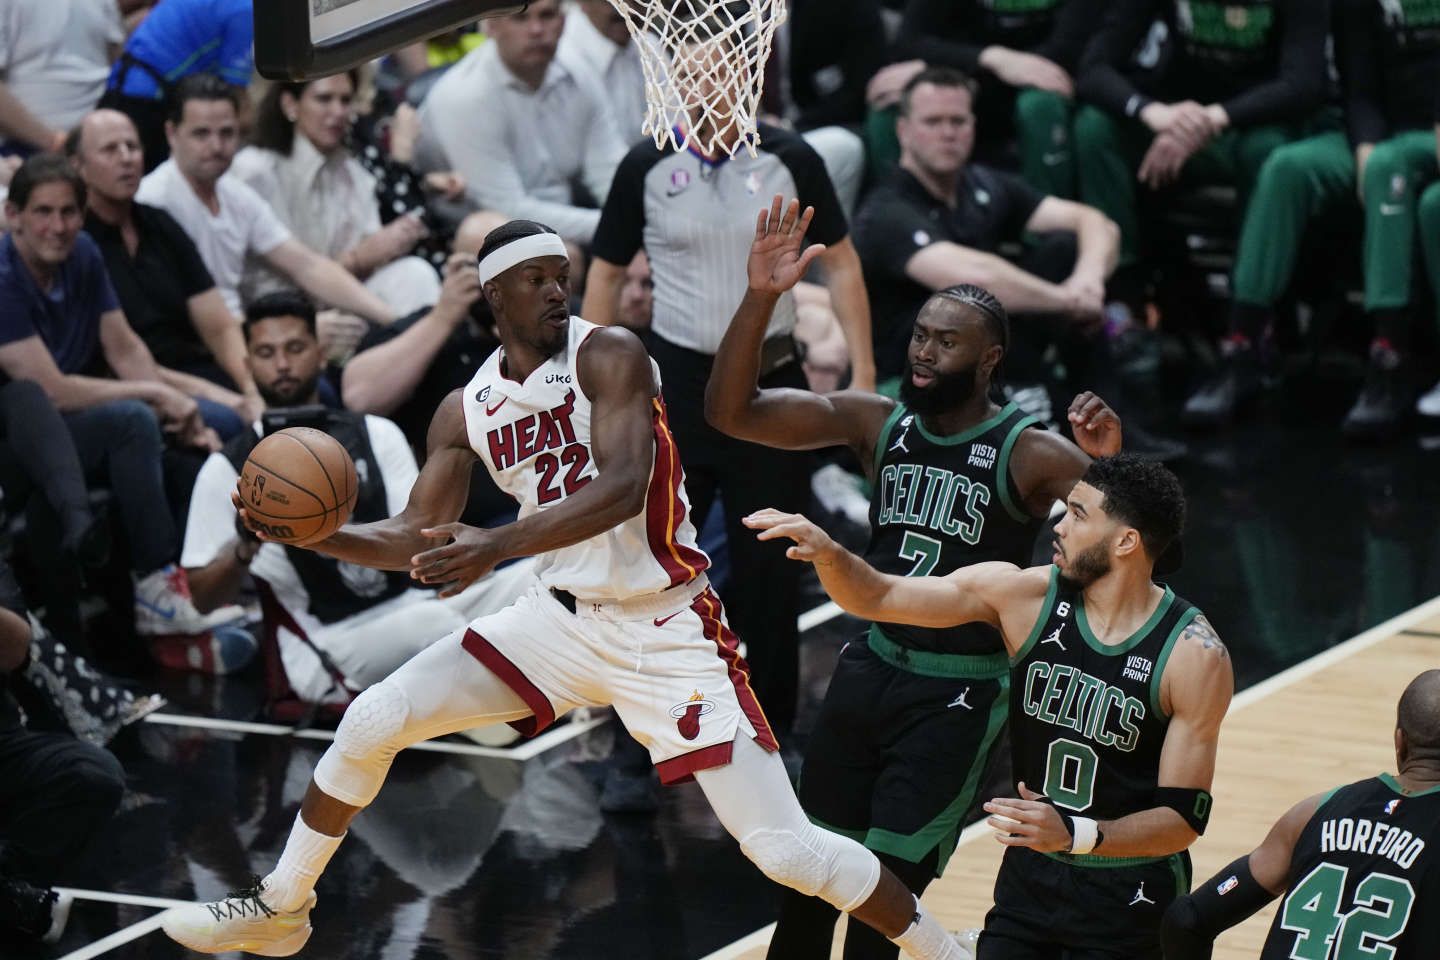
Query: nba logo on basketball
[[687, 715]]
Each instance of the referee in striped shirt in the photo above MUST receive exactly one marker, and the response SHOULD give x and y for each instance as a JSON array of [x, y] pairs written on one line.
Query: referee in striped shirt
[[695, 218]]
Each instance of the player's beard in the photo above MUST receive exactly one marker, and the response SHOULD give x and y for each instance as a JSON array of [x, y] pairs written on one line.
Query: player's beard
[[948, 391], [302, 393], [1087, 566]]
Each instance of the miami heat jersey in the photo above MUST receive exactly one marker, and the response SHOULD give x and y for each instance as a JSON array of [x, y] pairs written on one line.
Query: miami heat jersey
[[534, 437]]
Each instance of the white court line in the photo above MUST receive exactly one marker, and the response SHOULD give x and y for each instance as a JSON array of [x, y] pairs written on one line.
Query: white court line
[[821, 614], [131, 899], [1361, 641], [118, 939], [525, 751], [1250, 695]]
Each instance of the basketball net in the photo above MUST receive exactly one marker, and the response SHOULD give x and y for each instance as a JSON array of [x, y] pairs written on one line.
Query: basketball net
[[704, 64]]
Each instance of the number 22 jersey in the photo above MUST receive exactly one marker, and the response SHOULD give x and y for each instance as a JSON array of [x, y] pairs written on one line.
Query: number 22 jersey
[[534, 437]]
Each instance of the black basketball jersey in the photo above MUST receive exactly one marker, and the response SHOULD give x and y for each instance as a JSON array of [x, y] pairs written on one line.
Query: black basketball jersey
[[942, 503], [1364, 878], [1086, 726]]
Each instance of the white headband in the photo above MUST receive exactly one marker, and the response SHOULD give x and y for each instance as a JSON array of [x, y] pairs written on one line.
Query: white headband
[[518, 251]]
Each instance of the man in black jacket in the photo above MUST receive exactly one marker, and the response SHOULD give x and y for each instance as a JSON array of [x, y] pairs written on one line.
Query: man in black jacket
[[1242, 77], [830, 54], [1025, 60]]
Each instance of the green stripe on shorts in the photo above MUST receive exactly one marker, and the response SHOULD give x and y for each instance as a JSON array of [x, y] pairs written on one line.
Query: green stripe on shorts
[[944, 830], [924, 663]]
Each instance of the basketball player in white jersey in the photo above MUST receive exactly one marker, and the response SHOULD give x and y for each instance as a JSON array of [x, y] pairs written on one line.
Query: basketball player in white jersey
[[566, 416]]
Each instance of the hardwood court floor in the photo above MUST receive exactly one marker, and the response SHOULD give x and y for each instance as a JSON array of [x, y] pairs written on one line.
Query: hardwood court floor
[[1328, 721]]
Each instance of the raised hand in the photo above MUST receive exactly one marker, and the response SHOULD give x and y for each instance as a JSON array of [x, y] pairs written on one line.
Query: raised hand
[[779, 257], [1097, 427]]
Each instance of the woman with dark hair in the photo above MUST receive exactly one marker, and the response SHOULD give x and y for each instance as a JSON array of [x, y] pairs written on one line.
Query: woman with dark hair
[[300, 163]]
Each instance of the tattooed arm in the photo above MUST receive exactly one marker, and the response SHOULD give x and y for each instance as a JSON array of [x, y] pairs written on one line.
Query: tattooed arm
[[1195, 692]]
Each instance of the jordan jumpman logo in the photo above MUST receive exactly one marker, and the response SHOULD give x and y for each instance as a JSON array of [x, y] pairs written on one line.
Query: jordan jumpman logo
[[1140, 896], [899, 443]]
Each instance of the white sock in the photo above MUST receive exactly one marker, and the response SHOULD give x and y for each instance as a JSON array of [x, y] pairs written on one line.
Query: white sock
[[306, 853], [925, 939]]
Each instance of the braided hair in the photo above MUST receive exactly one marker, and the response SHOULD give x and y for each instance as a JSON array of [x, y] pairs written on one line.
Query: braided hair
[[997, 323]]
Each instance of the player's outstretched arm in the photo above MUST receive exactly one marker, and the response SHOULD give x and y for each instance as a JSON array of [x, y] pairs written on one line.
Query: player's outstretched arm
[[437, 498], [614, 371], [1236, 893], [969, 595], [785, 418]]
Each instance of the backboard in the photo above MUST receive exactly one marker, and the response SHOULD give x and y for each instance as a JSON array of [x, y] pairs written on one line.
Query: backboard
[[301, 39]]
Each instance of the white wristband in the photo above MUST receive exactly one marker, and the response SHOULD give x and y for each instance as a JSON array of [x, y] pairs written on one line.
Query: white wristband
[[1087, 834]]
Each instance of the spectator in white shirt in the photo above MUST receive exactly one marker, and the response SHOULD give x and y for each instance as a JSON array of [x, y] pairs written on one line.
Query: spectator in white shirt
[[338, 617], [596, 37], [227, 219], [530, 134], [300, 164], [54, 58]]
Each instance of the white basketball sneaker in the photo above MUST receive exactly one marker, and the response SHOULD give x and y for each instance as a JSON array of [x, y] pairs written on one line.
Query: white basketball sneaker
[[163, 605], [242, 921]]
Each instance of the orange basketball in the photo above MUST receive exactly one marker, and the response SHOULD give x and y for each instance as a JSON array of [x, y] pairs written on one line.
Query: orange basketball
[[299, 485]]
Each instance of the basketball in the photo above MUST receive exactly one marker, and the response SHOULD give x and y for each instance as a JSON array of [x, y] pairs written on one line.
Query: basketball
[[299, 485]]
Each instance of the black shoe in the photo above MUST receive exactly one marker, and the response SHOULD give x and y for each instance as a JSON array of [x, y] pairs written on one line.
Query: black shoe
[[1235, 385], [1384, 401], [1152, 446], [629, 792], [32, 913]]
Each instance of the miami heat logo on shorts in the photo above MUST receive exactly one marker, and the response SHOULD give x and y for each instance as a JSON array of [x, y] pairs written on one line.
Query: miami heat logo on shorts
[[687, 715]]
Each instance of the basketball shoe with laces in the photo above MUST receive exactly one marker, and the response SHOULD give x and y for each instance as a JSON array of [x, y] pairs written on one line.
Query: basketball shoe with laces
[[163, 605], [241, 921]]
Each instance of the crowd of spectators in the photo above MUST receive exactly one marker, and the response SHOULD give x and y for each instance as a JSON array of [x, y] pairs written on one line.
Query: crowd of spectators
[[193, 257]]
